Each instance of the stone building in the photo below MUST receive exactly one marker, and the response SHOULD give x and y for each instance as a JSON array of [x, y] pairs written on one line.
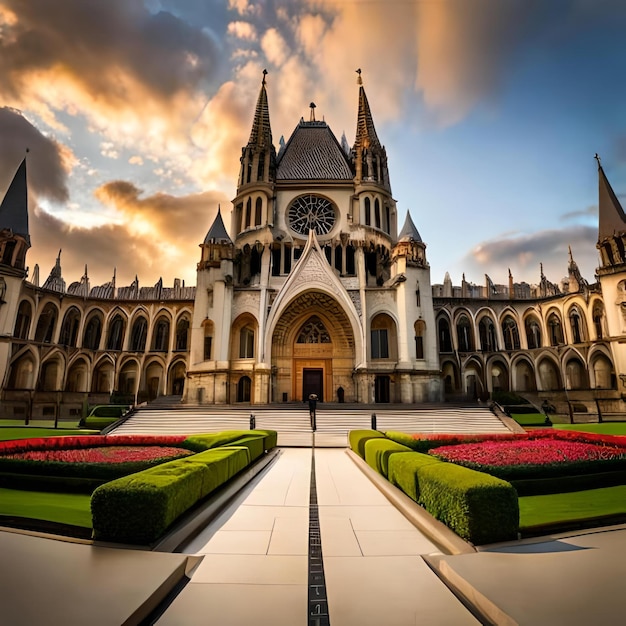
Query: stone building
[[311, 289]]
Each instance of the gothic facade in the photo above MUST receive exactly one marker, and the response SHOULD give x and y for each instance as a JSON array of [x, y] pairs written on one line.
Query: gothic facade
[[313, 288]]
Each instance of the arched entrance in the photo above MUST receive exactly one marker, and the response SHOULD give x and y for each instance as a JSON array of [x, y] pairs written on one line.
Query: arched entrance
[[312, 350]]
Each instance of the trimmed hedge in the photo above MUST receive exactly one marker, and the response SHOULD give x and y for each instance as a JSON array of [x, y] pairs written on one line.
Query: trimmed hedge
[[139, 508], [404, 468], [357, 439], [476, 506], [378, 451], [268, 439], [565, 484]]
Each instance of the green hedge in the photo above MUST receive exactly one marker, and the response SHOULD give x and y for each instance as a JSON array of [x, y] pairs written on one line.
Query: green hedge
[[99, 423], [476, 506], [139, 508], [109, 410], [378, 451], [404, 470], [357, 439], [199, 443]]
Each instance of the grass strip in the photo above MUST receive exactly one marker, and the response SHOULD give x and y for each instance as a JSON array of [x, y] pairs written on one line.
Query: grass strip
[[529, 419], [571, 507], [605, 428], [8, 433], [62, 508]]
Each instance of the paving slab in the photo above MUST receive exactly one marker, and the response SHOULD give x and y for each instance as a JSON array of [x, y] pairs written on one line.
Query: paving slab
[[48, 581], [574, 581]]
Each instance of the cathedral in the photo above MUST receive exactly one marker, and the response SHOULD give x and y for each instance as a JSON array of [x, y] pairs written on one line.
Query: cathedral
[[312, 283]]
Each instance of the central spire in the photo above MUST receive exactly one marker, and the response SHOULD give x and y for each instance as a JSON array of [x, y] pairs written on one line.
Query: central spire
[[261, 134]]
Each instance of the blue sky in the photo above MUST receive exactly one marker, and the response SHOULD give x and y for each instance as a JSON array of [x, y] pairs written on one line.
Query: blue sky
[[491, 111]]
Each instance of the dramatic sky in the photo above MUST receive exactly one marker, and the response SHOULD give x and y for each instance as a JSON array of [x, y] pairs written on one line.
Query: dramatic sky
[[135, 112]]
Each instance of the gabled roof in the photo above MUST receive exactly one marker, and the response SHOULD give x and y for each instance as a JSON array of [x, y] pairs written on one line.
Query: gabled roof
[[217, 233], [14, 207], [611, 217], [409, 232], [313, 153]]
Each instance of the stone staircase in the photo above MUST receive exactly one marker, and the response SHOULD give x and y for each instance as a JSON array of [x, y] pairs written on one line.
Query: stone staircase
[[292, 422]]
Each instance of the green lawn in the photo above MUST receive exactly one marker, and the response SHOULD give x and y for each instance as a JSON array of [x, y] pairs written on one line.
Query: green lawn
[[605, 428], [62, 508], [571, 507], [529, 419], [28, 432]]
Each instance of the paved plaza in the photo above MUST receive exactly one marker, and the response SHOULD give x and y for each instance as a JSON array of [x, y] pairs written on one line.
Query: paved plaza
[[250, 566]]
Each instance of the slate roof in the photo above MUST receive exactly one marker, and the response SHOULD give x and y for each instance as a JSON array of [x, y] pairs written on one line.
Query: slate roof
[[313, 153], [14, 206], [612, 218], [217, 233], [409, 232]]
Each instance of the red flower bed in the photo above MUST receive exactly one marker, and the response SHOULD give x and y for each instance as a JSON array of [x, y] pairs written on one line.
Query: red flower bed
[[528, 452], [533, 454], [103, 454], [90, 457]]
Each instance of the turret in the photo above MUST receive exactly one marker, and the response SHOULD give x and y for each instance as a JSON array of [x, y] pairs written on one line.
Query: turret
[[611, 226], [257, 173], [14, 235]]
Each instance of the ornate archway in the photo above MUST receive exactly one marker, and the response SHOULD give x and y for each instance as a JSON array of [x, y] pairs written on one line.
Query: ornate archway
[[313, 350]]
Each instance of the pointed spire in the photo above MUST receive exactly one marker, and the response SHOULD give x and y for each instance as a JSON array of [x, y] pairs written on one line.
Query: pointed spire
[[409, 232], [366, 136], [35, 280], [261, 134], [612, 218], [55, 281], [217, 233], [14, 206]]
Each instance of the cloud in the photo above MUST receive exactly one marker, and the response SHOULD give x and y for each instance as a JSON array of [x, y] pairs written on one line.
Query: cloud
[[133, 74], [157, 236], [242, 30], [549, 247], [48, 163], [590, 211]]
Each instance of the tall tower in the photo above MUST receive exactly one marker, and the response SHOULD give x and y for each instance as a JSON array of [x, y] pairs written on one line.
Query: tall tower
[[14, 244]]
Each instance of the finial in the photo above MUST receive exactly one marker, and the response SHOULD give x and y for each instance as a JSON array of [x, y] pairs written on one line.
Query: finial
[[359, 80], [312, 105], [27, 150], [264, 75], [219, 208], [597, 158]]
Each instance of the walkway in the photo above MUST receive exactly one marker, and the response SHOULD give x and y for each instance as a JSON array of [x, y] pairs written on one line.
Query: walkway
[[255, 566]]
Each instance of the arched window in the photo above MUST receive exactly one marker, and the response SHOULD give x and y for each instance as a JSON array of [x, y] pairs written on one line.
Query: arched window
[[49, 376], [138, 335], [257, 212], [377, 213], [246, 343], [22, 322], [260, 172], [487, 332], [313, 331], [464, 334], [368, 212], [208, 339], [248, 213], [115, 338], [420, 333], [243, 389], [598, 320], [387, 220], [46, 323], [511, 334], [576, 325], [445, 338], [556, 330], [161, 337], [383, 338], [533, 333], [93, 332], [69, 328], [182, 334]]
